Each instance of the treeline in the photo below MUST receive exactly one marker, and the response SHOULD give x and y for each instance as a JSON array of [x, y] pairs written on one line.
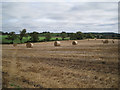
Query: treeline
[[35, 36]]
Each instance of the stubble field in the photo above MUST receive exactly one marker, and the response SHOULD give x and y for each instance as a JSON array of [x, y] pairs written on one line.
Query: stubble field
[[90, 64]]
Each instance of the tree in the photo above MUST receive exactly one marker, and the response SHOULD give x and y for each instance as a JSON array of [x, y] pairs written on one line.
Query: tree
[[57, 39], [6, 33], [48, 37], [63, 35], [1, 33], [73, 36], [79, 35], [34, 36], [90, 36], [76, 36], [12, 36], [22, 34]]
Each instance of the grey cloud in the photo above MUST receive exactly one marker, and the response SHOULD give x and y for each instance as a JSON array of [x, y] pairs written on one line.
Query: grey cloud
[[57, 17]]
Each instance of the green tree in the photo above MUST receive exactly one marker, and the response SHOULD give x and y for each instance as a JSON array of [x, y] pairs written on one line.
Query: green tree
[[63, 35], [73, 36], [12, 36], [79, 35], [34, 36], [90, 36], [22, 34], [48, 36]]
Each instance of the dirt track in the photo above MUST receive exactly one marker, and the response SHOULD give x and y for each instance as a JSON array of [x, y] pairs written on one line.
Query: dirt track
[[90, 64]]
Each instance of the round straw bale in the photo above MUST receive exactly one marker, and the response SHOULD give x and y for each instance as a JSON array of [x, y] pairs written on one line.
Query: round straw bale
[[29, 45], [113, 41], [15, 44], [105, 42], [74, 43], [57, 43]]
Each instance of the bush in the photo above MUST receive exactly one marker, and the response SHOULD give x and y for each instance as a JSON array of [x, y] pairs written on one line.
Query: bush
[[48, 37]]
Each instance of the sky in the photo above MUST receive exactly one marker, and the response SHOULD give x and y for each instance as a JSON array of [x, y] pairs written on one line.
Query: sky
[[60, 16]]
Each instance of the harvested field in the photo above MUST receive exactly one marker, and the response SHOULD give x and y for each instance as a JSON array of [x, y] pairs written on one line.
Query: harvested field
[[89, 64]]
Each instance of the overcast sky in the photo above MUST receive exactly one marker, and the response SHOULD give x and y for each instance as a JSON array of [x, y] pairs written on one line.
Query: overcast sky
[[60, 16]]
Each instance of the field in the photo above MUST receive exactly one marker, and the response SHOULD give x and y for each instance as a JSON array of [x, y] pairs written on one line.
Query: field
[[90, 64]]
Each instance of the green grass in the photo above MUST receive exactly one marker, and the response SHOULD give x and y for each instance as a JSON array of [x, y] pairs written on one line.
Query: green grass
[[41, 38], [4, 40], [25, 39], [59, 38]]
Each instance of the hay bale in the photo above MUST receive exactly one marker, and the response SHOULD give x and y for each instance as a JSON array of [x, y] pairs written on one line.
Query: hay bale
[[113, 41], [15, 44], [29, 45], [74, 43], [105, 42], [57, 43]]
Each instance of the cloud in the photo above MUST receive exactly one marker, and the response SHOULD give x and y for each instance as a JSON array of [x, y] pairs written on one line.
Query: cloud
[[1, 16], [57, 17], [60, 1]]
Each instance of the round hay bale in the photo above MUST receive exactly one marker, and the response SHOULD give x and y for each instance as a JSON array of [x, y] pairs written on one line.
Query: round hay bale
[[29, 45], [105, 42], [113, 41], [57, 43], [74, 43], [15, 44]]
